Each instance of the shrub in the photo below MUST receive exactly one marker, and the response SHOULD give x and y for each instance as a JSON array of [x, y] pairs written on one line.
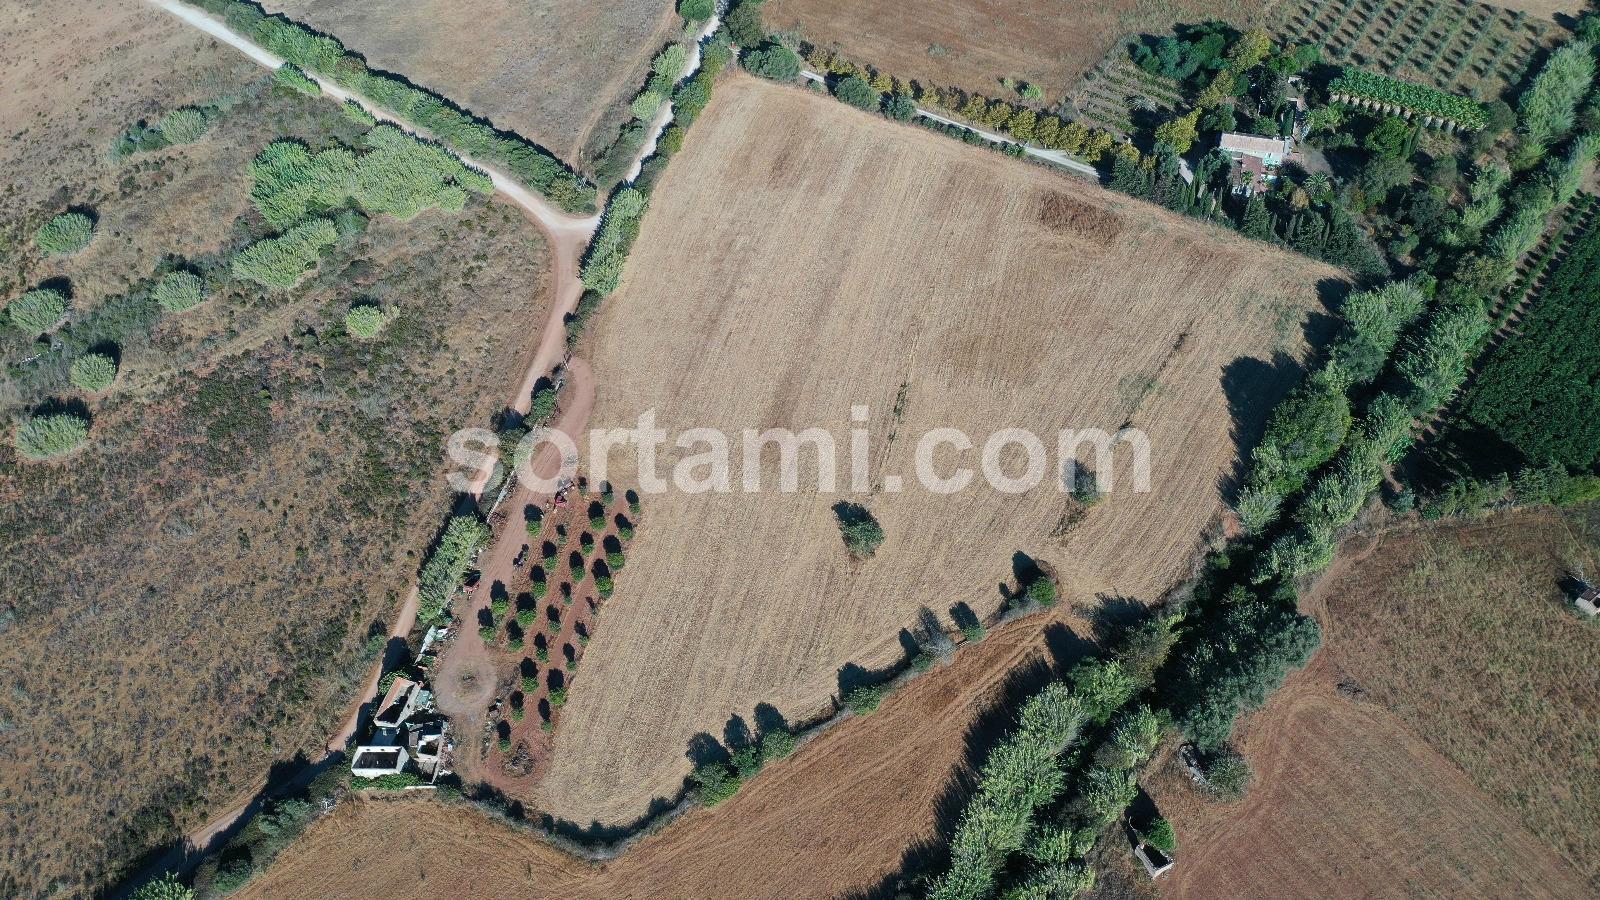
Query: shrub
[[696, 10], [861, 532], [1227, 774], [558, 697], [184, 125], [295, 79], [93, 372], [776, 745], [38, 310], [281, 262], [355, 112], [670, 62], [855, 91], [715, 782], [645, 105], [47, 436], [178, 291], [866, 699], [1042, 590], [167, 887], [448, 565], [65, 234], [366, 320], [488, 633], [604, 585], [773, 61], [1160, 836]]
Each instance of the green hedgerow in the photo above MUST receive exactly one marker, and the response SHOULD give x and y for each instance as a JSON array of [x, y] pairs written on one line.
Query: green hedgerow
[[294, 78], [37, 311], [183, 125], [178, 291], [866, 699], [366, 321], [65, 234], [93, 372], [358, 114], [645, 105], [43, 437]]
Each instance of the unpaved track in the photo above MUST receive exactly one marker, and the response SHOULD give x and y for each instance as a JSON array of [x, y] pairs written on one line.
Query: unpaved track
[[568, 236]]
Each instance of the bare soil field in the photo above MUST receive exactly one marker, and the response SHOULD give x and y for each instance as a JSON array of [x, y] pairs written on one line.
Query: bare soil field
[[559, 72], [1475, 611], [193, 597], [1349, 802], [801, 258], [870, 792], [972, 45]]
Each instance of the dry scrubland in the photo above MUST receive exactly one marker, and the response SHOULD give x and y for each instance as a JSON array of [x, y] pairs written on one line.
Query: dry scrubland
[[1443, 742], [189, 599], [972, 44], [801, 257], [866, 791], [559, 72]]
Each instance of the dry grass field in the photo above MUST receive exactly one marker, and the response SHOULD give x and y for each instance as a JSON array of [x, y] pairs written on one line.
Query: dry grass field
[[188, 600], [801, 258], [836, 819], [972, 45], [559, 72], [1474, 610], [1349, 802]]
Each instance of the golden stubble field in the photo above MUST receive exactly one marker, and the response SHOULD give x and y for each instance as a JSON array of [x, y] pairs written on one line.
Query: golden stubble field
[[555, 71], [800, 258]]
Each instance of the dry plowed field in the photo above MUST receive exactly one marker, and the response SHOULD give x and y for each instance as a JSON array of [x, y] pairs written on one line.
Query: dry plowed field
[[972, 44], [1348, 802], [801, 258], [833, 820], [555, 71]]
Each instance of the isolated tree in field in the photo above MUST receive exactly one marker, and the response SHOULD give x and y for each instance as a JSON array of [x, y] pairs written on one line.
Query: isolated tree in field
[[37, 311], [696, 10], [773, 61], [65, 234], [93, 372], [855, 91], [55, 434], [862, 533], [183, 125], [178, 291]]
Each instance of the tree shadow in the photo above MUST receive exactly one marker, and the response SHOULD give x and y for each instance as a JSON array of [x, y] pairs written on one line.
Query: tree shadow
[[1252, 388], [769, 720]]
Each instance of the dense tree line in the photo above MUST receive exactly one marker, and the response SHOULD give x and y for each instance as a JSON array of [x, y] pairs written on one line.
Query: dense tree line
[[471, 136], [447, 565]]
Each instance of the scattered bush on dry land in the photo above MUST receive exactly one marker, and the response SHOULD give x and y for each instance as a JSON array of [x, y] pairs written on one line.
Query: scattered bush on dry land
[[65, 234], [93, 372], [184, 125], [179, 291], [282, 261], [325, 56], [292, 77], [38, 310], [448, 565], [366, 320], [51, 435]]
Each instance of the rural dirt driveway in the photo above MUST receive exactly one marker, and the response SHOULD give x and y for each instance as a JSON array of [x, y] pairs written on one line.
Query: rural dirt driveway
[[568, 237]]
